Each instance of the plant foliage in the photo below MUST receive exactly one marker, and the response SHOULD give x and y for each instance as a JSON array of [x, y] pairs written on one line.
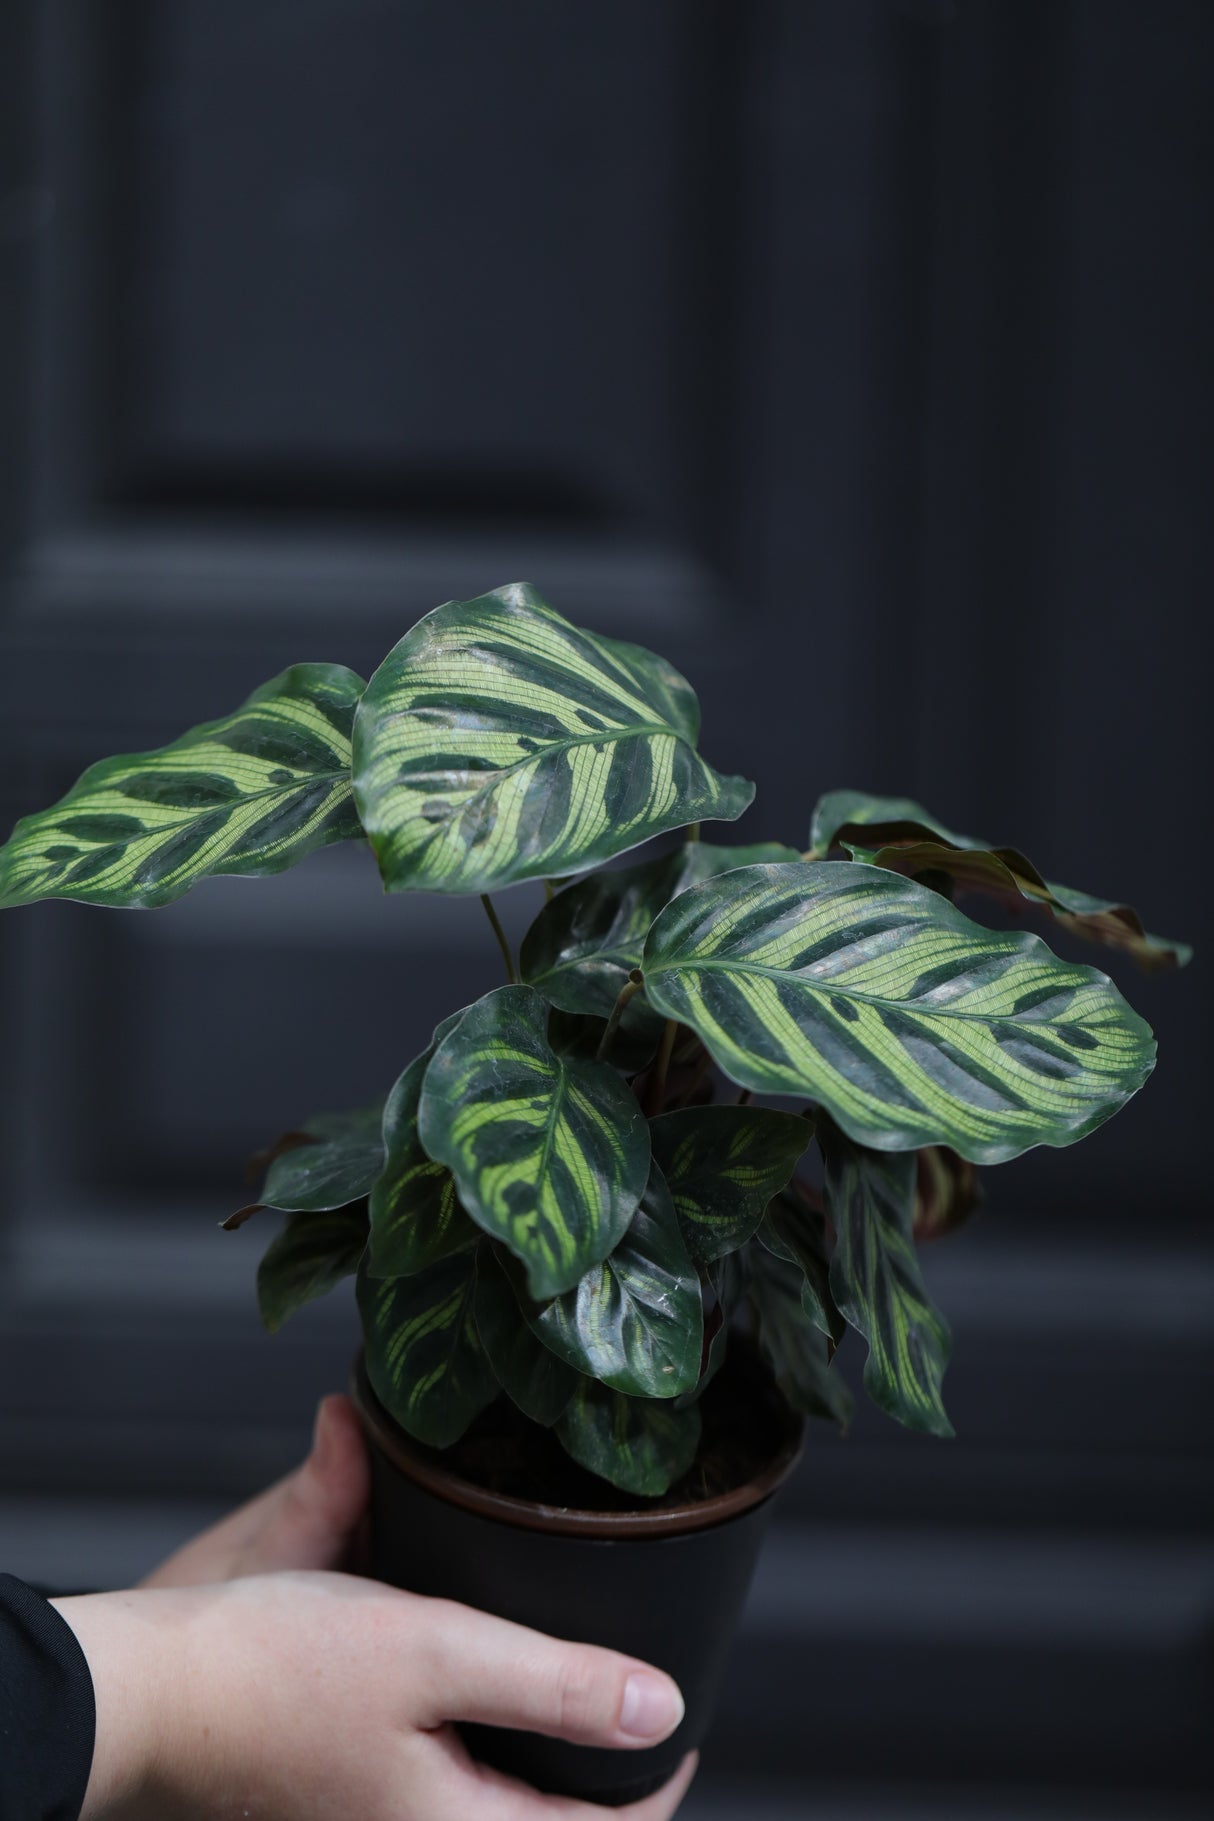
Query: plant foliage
[[564, 1201]]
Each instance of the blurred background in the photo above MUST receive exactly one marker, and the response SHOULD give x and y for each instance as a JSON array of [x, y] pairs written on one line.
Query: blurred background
[[854, 355]]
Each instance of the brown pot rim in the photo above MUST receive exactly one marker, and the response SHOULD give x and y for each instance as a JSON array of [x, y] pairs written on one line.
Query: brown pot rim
[[561, 1520]]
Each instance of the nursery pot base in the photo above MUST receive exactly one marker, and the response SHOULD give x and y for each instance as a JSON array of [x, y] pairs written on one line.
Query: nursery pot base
[[665, 1583]]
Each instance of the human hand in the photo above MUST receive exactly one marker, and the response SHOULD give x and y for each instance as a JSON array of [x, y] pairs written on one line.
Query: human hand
[[311, 1519], [311, 1696]]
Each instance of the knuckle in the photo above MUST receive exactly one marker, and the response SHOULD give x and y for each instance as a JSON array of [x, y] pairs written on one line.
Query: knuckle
[[583, 1694]]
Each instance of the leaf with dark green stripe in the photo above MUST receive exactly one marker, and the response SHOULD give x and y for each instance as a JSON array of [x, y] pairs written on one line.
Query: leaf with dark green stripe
[[334, 1159], [795, 1230], [550, 1153], [636, 1320], [722, 1166], [424, 1355], [587, 940], [531, 1376], [877, 1283], [792, 1344], [313, 1252], [497, 742], [900, 834], [416, 1216], [254, 792], [875, 997], [641, 1445]]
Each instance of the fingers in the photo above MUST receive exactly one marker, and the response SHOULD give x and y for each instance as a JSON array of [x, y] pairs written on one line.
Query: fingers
[[324, 1500], [487, 1670], [499, 1798]]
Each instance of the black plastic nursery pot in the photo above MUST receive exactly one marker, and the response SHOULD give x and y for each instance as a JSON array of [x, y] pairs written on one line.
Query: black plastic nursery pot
[[664, 1584]]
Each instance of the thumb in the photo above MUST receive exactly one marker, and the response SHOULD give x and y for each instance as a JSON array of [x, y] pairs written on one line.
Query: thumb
[[313, 1522], [488, 1670]]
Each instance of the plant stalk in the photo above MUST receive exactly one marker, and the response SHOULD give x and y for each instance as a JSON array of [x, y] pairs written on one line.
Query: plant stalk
[[627, 993], [499, 932], [657, 1081]]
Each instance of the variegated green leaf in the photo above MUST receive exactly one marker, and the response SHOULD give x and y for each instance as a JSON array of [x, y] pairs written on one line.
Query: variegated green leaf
[[252, 793], [878, 999], [424, 1355], [878, 1286], [497, 742], [722, 1166], [636, 1320], [587, 940], [416, 1216], [640, 1444], [792, 1344], [313, 1252], [795, 1230], [550, 1153], [900, 834], [723, 1284], [331, 1160], [531, 1376]]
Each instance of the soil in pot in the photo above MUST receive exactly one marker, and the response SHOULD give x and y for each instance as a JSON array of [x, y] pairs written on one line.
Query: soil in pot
[[664, 1581]]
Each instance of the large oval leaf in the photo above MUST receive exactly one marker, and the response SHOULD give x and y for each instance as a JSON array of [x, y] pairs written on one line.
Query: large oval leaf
[[900, 834], [550, 1153], [586, 941], [722, 1166], [497, 742], [878, 1286], [531, 1376], [309, 1257], [636, 1320], [639, 1444], [252, 793], [416, 1216], [424, 1355], [909, 1023]]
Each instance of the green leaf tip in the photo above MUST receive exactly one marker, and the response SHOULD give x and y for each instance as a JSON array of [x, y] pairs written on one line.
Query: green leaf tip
[[253, 793]]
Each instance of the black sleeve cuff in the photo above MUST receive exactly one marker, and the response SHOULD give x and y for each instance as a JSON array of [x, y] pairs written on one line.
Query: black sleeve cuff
[[47, 1713]]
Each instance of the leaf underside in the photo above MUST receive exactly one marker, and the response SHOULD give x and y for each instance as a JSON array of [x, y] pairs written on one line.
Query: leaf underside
[[876, 998], [252, 793], [897, 833], [550, 1153], [497, 743]]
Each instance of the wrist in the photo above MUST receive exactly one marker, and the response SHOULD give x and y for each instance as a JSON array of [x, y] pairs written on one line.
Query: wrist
[[123, 1644]]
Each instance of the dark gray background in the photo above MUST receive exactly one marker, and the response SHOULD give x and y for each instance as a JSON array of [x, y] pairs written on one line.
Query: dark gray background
[[857, 357]]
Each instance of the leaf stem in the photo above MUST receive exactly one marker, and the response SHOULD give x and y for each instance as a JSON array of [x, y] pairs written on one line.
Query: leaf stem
[[499, 932], [627, 993], [657, 1081], [693, 831]]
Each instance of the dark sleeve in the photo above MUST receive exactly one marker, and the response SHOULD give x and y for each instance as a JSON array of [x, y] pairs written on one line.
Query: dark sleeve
[[47, 1714]]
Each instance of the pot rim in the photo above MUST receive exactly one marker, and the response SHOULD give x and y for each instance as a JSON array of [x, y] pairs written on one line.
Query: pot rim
[[564, 1520]]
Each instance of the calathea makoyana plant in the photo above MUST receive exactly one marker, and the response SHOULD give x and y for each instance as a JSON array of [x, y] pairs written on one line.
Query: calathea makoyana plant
[[572, 1197]]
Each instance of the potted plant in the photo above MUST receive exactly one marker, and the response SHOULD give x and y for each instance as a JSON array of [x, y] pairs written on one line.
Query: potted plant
[[600, 1285]]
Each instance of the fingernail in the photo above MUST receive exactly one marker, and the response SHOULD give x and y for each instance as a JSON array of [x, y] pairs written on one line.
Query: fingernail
[[652, 1707]]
